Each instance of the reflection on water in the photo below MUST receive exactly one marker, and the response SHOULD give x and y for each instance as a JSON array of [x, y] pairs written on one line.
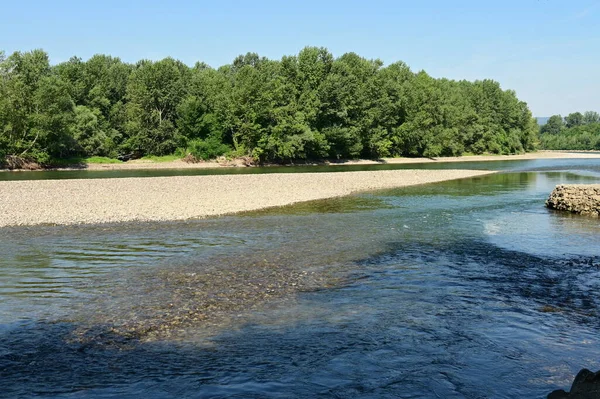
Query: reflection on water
[[461, 289]]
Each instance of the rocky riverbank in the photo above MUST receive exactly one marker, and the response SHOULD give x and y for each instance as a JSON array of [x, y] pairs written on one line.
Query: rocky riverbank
[[576, 198]]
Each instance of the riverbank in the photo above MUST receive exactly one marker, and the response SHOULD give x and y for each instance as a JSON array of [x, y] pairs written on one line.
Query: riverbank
[[143, 164], [180, 164], [94, 201]]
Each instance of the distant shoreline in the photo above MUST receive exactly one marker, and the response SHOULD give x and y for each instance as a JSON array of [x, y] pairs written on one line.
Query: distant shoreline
[[180, 164], [390, 161]]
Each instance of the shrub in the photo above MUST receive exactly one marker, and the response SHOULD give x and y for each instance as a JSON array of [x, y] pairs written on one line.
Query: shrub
[[209, 148]]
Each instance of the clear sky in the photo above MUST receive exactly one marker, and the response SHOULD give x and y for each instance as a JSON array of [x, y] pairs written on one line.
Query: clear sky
[[548, 51]]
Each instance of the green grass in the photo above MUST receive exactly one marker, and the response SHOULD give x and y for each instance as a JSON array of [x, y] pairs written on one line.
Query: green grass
[[163, 158], [100, 160], [74, 161]]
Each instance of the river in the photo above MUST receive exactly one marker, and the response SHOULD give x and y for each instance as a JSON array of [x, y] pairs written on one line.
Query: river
[[464, 289]]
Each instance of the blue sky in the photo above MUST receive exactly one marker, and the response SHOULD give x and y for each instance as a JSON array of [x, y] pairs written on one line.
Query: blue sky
[[548, 51]]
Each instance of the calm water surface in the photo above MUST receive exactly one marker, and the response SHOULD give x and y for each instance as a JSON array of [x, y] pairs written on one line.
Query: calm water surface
[[462, 289]]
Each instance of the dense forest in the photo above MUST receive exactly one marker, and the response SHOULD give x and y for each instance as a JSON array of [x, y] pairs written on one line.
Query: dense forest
[[576, 131], [307, 106]]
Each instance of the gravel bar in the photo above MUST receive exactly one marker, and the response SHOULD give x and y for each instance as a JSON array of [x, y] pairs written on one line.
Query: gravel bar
[[113, 200]]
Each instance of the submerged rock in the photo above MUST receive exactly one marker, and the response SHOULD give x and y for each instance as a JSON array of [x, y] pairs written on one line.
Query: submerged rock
[[577, 198], [585, 386]]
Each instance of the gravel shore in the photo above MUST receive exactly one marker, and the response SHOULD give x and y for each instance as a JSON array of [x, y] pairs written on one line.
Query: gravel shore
[[180, 164], [187, 197]]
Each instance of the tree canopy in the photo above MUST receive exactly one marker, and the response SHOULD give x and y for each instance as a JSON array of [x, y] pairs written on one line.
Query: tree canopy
[[306, 106], [576, 131]]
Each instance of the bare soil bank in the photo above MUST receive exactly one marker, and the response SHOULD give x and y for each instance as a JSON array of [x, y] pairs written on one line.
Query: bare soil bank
[[187, 197]]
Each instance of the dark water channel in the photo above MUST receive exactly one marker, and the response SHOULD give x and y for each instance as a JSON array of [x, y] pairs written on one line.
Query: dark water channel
[[464, 289]]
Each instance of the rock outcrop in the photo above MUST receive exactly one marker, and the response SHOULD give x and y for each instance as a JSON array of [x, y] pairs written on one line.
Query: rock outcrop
[[576, 198], [585, 386]]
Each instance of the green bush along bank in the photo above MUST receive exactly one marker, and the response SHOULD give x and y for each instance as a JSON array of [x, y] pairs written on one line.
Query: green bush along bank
[[301, 107]]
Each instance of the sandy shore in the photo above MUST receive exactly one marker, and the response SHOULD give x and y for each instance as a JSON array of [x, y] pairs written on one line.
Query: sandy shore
[[187, 197], [179, 164]]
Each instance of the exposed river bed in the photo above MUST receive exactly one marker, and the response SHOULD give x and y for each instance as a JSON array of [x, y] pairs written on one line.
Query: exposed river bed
[[468, 288]]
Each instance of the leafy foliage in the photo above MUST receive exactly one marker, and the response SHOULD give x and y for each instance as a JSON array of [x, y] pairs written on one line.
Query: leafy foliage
[[576, 132], [307, 106], [208, 148]]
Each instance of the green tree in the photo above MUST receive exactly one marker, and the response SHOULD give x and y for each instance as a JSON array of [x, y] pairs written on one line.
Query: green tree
[[591, 117], [99, 85], [580, 137], [346, 96], [574, 119], [202, 112], [154, 93], [554, 125], [306, 106], [37, 109], [88, 132], [246, 110]]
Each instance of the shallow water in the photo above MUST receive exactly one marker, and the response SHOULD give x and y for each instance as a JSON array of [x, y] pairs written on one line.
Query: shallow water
[[468, 288]]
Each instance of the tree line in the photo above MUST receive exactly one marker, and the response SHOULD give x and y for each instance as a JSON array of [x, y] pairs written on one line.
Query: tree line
[[576, 131], [306, 106]]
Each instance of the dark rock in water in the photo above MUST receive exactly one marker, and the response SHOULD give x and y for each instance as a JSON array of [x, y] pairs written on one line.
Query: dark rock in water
[[585, 386], [576, 198]]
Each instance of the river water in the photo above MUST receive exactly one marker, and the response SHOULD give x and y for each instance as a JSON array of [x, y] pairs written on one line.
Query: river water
[[464, 289]]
